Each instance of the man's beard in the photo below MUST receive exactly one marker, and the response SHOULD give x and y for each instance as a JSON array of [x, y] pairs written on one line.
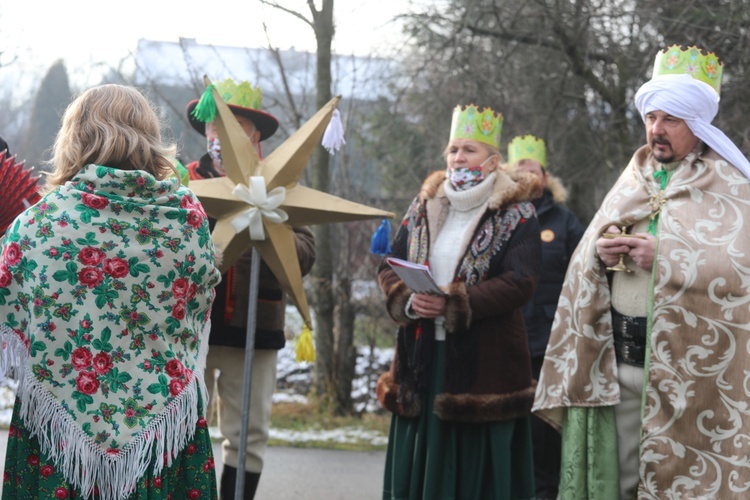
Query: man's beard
[[665, 142]]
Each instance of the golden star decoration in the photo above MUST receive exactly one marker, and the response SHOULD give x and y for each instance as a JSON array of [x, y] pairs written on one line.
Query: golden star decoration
[[303, 206]]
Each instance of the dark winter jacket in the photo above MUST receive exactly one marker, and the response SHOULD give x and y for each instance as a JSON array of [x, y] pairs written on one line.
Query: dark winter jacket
[[488, 373], [560, 231], [230, 309]]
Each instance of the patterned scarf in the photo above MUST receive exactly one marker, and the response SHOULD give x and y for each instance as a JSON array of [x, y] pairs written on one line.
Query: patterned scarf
[[105, 290]]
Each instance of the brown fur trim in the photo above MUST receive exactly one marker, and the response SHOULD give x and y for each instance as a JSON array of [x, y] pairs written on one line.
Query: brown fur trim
[[457, 309], [558, 190], [512, 186], [431, 184], [484, 407], [387, 392], [397, 297]]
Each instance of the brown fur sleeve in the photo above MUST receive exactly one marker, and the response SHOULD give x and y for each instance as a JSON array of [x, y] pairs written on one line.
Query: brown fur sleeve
[[397, 295], [387, 392], [457, 309]]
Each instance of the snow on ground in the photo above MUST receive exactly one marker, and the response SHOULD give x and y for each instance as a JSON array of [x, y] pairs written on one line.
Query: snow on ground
[[341, 435], [294, 381]]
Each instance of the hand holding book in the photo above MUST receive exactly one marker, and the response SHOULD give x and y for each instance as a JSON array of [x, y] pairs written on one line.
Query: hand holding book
[[416, 276]]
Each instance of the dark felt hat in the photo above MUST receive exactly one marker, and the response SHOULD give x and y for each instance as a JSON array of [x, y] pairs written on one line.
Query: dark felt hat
[[244, 100]]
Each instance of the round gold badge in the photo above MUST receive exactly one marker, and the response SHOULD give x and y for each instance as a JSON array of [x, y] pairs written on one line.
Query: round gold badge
[[548, 235]]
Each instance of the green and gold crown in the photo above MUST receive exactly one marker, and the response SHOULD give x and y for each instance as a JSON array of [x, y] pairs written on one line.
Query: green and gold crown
[[470, 123], [692, 61], [527, 147], [242, 94]]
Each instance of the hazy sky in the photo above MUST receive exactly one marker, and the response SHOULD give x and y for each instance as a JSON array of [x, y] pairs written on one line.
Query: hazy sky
[[85, 32]]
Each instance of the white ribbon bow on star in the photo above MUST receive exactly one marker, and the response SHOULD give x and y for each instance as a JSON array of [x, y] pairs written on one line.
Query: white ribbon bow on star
[[262, 205]]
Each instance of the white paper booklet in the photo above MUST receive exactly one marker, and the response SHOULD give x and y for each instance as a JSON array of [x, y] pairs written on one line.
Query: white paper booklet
[[416, 276]]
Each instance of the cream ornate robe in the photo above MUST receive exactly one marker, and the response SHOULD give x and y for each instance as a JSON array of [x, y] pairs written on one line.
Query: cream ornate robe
[[695, 436]]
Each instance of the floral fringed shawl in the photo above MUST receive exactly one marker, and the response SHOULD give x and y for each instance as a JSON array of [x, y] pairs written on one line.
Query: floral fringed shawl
[[106, 285]]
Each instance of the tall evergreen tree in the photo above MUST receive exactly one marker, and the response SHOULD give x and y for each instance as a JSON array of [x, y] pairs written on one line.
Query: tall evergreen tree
[[51, 100]]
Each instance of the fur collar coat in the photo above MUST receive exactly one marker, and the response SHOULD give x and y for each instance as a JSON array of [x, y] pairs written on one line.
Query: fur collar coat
[[488, 372]]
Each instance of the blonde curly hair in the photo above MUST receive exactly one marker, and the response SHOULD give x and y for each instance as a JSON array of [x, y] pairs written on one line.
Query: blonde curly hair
[[111, 125]]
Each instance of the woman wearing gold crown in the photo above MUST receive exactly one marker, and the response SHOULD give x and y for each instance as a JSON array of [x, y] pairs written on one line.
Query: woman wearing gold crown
[[460, 384]]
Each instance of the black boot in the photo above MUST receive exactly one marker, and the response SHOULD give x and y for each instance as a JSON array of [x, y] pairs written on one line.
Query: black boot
[[229, 479], [251, 484]]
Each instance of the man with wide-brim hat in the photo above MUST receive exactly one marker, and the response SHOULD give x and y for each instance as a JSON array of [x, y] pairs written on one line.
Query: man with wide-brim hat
[[229, 314], [244, 101]]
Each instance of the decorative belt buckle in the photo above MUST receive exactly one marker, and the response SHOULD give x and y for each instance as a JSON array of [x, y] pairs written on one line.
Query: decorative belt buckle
[[627, 327], [625, 351], [630, 357]]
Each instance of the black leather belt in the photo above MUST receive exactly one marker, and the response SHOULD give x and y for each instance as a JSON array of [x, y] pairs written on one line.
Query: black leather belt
[[630, 338]]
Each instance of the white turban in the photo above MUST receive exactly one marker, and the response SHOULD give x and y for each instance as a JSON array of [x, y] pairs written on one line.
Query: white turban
[[684, 97]]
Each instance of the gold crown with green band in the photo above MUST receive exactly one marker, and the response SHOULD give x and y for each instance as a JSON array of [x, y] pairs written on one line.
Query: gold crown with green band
[[527, 147], [692, 61], [470, 123], [243, 95]]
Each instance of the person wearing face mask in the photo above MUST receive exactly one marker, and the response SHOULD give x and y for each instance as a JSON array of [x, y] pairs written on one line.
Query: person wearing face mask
[[560, 231], [460, 385], [229, 315]]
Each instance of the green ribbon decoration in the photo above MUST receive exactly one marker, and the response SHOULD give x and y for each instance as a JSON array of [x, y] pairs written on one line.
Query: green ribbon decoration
[[205, 111], [662, 176]]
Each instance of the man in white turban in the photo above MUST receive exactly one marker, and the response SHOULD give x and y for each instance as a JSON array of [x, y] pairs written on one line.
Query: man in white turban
[[645, 371]]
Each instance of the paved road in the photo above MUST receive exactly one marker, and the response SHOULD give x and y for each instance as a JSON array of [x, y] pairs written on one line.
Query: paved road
[[312, 474], [307, 474]]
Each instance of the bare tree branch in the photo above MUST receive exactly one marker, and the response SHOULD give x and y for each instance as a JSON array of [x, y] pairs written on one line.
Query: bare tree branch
[[294, 13], [296, 115]]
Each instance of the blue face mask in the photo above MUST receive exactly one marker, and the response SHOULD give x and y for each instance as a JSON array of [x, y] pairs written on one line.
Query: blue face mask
[[462, 178]]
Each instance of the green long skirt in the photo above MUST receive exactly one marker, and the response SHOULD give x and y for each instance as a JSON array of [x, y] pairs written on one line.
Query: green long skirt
[[428, 458], [30, 474]]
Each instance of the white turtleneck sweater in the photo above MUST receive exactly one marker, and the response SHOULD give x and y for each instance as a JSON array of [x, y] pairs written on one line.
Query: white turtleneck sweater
[[449, 246]]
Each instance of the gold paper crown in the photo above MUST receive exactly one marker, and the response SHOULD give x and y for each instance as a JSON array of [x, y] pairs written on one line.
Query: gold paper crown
[[527, 147], [484, 127], [675, 60], [244, 94]]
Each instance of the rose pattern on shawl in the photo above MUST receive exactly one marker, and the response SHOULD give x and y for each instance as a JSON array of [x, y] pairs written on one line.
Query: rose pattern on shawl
[[102, 324], [91, 256], [116, 267], [696, 423], [12, 254], [35, 475]]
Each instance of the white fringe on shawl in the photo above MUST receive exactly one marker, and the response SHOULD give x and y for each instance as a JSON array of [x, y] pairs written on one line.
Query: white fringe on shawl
[[76, 455]]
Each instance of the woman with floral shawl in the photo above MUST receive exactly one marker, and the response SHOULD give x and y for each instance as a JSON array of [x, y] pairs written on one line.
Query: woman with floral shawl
[[106, 285]]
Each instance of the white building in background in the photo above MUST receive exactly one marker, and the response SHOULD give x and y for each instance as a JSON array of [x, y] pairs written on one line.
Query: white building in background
[[185, 62], [173, 73]]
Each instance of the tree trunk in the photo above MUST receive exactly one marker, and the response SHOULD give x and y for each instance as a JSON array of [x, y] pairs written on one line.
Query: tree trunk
[[346, 354], [322, 272]]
